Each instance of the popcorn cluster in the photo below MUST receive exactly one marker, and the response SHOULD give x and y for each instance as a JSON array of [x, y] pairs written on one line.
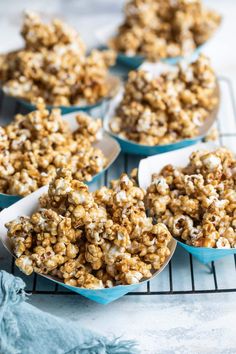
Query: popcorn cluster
[[198, 202], [53, 65], [212, 135], [90, 240], [167, 108], [164, 28], [35, 145]]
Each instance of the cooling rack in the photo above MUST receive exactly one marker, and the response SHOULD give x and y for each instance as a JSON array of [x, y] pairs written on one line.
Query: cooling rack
[[184, 274]]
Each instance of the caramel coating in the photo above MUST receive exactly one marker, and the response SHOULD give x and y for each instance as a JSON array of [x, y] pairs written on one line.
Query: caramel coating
[[164, 28], [198, 202], [53, 65], [91, 240], [34, 146], [168, 108]]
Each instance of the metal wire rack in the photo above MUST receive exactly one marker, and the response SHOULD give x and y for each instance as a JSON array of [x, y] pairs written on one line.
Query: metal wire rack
[[183, 268]]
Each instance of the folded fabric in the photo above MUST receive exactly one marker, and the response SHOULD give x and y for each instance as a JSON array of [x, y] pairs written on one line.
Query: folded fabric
[[26, 330]]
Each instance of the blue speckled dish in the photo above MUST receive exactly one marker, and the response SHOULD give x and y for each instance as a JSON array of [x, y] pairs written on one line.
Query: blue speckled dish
[[26, 206], [107, 144], [128, 146]]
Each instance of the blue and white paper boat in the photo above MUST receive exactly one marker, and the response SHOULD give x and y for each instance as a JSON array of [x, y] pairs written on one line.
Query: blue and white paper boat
[[131, 147], [206, 255], [107, 144], [180, 158], [28, 205], [134, 61], [96, 110]]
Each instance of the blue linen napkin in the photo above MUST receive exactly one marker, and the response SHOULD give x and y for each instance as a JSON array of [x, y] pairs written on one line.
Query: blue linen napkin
[[26, 330]]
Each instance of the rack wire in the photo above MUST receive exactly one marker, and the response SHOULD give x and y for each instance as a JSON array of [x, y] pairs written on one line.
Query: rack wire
[[182, 265]]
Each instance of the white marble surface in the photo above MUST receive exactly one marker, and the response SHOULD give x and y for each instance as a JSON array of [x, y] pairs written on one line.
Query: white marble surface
[[161, 324], [179, 324]]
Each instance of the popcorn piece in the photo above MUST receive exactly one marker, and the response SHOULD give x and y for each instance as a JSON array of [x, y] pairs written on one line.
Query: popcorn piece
[[200, 200], [211, 162], [25, 264], [94, 256], [212, 135], [223, 243], [167, 108]]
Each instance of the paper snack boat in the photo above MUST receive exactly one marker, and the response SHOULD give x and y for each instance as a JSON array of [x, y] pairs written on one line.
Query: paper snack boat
[[180, 158], [95, 110], [206, 255], [134, 61], [131, 147], [107, 144], [26, 206]]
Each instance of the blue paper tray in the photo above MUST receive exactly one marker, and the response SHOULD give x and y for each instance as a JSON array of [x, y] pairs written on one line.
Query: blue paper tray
[[133, 62], [207, 255], [96, 110], [106, 295], [26, 206], [131, 147]]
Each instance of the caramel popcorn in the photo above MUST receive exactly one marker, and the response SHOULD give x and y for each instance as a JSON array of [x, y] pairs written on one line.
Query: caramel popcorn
[[167, 108], [90, 240], [34, 146], [198, 202], [53, 65], [164, 28], [212, 135]]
